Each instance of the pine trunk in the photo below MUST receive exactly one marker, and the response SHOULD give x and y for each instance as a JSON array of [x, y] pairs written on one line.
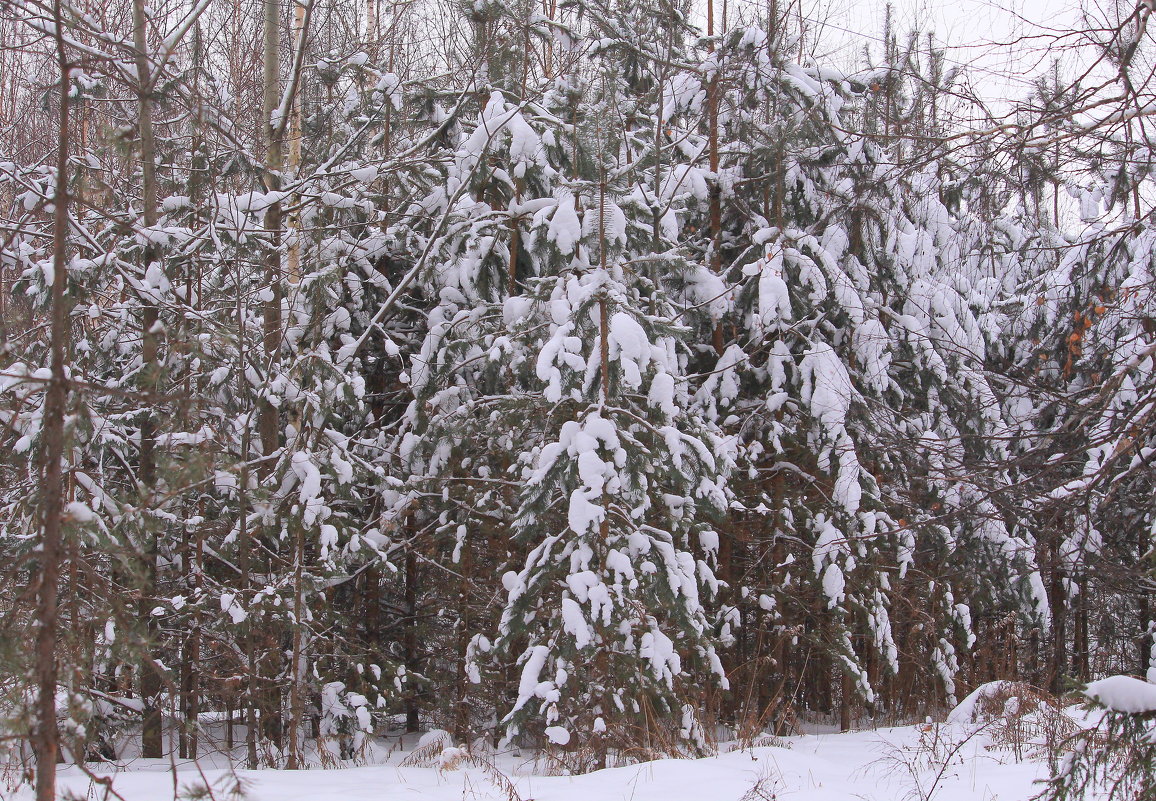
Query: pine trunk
[[152, 745], [45, 735]]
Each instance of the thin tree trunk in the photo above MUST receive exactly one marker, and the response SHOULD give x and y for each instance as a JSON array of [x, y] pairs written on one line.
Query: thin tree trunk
[[1057, 595], [293, 257], [1145, 612], [712, 93], [412, 716], [845, 701], [150, 681], [297, 660], [45, 736], [186, 663], [193, 690], [268, 422], [229, 710], [465, 626], [191, 685], [248, 692], [266, 698], [1080, 630]]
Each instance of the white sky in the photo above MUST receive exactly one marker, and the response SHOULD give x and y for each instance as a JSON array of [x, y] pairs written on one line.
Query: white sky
[[1004, 41]]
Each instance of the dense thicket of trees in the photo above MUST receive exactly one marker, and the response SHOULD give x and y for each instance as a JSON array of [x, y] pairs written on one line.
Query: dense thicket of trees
[[585, 373]]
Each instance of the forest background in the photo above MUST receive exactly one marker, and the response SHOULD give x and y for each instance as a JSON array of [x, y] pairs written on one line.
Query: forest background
[[585, 374]]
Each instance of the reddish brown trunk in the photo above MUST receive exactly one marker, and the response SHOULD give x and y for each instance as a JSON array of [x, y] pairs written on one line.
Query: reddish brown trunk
[[845, 702], [45, 735], [412, 716], [462, 704]]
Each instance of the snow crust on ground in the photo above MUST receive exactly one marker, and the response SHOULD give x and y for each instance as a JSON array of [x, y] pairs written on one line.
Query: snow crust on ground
[[864, 766]]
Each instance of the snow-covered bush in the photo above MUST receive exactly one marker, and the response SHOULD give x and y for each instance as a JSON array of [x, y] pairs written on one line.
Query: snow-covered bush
[[1018, 717], [1114, 759], [346, 720]]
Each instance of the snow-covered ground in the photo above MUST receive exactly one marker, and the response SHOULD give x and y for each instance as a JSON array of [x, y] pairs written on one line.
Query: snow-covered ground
[[945, 762]]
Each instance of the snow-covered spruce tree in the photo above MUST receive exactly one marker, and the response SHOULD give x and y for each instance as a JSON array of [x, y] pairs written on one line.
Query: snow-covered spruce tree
[[496, 174], [1083, 372], [839, 339], [608, 605], [1071, 255], [474, 377], [617, 480]]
